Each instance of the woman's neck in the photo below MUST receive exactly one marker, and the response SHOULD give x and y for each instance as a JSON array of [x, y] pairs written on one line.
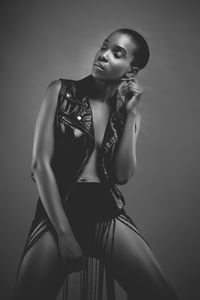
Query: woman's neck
[[103, 90]]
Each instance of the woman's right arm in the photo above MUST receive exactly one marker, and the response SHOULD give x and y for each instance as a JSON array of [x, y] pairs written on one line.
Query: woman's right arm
[[43, 148]]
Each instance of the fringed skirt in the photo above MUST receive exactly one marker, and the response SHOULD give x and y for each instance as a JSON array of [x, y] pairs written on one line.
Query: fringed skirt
[[92, 213]]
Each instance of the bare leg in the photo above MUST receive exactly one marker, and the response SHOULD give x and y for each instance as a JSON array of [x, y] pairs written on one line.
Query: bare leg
[[133, 264], [40, 273]]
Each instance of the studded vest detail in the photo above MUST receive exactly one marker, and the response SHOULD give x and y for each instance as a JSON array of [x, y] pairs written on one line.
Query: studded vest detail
[[75, 140]]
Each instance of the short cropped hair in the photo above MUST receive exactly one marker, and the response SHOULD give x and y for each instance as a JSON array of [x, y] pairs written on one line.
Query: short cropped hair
[[141, 53]]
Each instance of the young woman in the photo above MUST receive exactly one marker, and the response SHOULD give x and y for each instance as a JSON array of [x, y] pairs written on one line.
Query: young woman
[[84, 146]]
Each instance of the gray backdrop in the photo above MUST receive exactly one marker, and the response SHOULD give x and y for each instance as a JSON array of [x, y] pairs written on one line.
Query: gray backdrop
[[46, 40]]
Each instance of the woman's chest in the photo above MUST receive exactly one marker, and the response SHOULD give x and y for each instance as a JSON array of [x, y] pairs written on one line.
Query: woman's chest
[[100, 116]]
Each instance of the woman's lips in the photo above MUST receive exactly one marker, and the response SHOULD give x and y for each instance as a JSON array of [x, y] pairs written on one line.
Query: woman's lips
[[99, 67]]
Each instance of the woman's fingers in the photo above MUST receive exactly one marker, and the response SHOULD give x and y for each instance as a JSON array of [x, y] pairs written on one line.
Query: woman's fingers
[[129, 93], [131, 85]]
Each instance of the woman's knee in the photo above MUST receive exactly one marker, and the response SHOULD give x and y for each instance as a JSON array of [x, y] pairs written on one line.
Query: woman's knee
[[40, 272]]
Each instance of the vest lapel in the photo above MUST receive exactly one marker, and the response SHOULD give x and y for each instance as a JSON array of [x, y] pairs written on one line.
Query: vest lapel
[[76, 92]]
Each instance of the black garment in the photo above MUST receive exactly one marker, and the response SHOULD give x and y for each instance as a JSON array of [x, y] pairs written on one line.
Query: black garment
[[85, 204], [75, 140], [71, 154], [88, 203]]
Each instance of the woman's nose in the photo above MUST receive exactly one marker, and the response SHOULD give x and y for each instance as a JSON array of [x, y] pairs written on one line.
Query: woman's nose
[[103, 56]]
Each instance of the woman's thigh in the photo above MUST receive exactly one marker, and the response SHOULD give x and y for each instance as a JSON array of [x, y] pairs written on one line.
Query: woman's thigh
[[40, 273], [133, 263]]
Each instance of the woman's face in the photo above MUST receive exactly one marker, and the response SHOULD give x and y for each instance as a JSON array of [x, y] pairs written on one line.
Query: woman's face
[[114, 57]]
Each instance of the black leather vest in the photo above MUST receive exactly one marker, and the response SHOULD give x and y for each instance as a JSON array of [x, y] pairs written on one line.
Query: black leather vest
[[75, 140]]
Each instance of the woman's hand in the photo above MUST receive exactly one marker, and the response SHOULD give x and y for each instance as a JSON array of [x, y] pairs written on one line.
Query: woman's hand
[[71, 253], [129, 93]]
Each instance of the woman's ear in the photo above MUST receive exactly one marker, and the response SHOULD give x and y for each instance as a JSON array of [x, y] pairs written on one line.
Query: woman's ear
[[132, 72]]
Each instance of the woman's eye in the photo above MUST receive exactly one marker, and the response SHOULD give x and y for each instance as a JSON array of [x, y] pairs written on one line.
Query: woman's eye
[[118, 54]]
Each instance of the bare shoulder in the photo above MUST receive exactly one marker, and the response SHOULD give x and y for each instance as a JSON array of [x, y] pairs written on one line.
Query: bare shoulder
[[54, 86], [44, 129], [51, 95]]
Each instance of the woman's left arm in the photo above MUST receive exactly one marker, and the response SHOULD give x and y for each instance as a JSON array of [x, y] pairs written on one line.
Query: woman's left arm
[[124, 161]]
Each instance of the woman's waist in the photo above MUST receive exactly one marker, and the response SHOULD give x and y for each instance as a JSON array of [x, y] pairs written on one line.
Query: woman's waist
[[92, 200]]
